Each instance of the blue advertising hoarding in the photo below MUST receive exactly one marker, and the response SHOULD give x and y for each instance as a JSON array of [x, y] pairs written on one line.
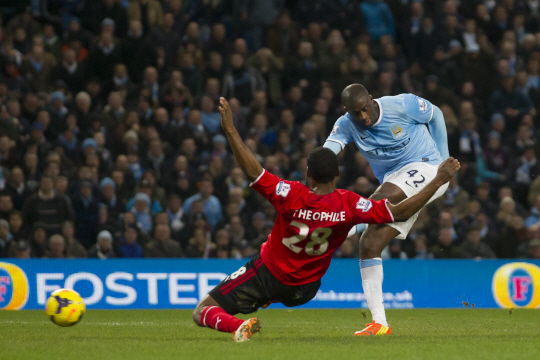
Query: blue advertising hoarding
[[181, 283]]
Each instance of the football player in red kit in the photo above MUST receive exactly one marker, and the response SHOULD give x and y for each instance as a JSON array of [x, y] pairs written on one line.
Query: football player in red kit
[[312, 223]]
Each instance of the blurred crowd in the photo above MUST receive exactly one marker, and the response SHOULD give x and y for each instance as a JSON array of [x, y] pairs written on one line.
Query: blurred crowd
[[110, 138]]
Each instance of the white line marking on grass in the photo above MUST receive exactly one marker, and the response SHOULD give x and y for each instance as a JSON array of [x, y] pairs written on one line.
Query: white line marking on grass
[[107, 323]]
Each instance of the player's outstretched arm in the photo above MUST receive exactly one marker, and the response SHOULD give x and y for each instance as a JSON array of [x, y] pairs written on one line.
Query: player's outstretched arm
[[408, 207], [247, 161]]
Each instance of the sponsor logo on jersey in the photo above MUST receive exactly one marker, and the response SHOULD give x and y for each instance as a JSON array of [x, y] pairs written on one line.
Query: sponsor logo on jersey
[[397, 131], [13, 287], [282, 189], [364, 204], [391, 149], [334, 130], [517, 285], [422, 105]]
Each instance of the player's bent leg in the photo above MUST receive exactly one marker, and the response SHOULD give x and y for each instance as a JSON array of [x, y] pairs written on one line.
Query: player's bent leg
[[208, 313], [240, 292], [204, 303]]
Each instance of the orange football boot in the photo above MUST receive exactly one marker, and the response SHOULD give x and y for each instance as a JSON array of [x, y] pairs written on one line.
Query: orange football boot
[[374, 328], [247, 329]]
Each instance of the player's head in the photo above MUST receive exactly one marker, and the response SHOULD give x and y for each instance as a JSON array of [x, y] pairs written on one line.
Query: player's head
[[359, 103], [323, 165]]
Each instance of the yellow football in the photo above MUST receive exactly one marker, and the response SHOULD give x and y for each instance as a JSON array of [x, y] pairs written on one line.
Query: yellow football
[[65, 307]]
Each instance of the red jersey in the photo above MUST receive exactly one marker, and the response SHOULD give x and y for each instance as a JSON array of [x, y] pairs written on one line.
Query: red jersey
[[310, 227]]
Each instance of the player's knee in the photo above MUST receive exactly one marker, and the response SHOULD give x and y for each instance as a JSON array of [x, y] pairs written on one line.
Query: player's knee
[[196, 315], [369, 246]]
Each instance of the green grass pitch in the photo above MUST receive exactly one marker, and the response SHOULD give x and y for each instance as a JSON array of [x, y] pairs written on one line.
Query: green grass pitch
[[286, 334]]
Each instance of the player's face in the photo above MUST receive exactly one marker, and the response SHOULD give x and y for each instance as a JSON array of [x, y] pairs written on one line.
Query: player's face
[[362, 111]]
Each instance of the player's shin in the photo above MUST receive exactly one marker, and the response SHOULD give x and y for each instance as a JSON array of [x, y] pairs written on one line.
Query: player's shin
[[216, 318], [372, 278]]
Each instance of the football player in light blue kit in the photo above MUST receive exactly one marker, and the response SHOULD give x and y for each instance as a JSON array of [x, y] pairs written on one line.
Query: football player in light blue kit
[[404, 139]]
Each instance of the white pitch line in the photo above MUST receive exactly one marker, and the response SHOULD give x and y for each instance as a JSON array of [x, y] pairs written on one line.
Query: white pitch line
[[107, 323]]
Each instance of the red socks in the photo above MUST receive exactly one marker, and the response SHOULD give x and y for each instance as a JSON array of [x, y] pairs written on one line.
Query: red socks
[[216, 318]]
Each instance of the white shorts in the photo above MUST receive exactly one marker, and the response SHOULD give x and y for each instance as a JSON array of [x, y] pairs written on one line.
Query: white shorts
[[411, 179]]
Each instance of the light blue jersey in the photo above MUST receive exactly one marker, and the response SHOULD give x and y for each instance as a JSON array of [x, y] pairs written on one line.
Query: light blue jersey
[[399, 137]]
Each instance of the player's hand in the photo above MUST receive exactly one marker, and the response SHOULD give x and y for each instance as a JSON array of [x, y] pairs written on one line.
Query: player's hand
[[447, 170], [226, 115]]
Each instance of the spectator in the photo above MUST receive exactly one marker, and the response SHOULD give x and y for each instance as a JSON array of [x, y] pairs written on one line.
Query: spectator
[[259, 16], [534, 249], [129, 247], [74, 248], [483, 197], [16, 225], [242, 81], [394, 251], [378, 18], [155, 157], [509, 101], [199, 246], [70, 71], [175, 212], [103, 248], [473, 247], [5, 238], [236, 230], [104, 56], [282, 38], [108, 10], [85, 206], [524, 171], [420, 248], [142, 212], [146, 188], [456, 196], [38, 239], [6, 206], [496, 156], [257, 226], [270, 66], [115, 205], [303, 70], [211, 119], [22, 249], [148, 12], [38, 67], [57, 247], [534, 218], [445, 247], [46, 207], [212, 206], [162, 246]]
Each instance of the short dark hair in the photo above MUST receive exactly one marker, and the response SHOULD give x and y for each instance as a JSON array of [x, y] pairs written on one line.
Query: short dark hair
[[323, 165], [354, 93]]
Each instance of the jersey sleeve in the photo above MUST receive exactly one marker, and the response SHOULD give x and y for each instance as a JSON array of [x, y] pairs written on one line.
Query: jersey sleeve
[[417, 109], [341, 133], [277, 191], [370, 211]]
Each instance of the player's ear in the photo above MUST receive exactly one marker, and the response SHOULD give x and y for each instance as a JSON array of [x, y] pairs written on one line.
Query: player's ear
[[371, 98]]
